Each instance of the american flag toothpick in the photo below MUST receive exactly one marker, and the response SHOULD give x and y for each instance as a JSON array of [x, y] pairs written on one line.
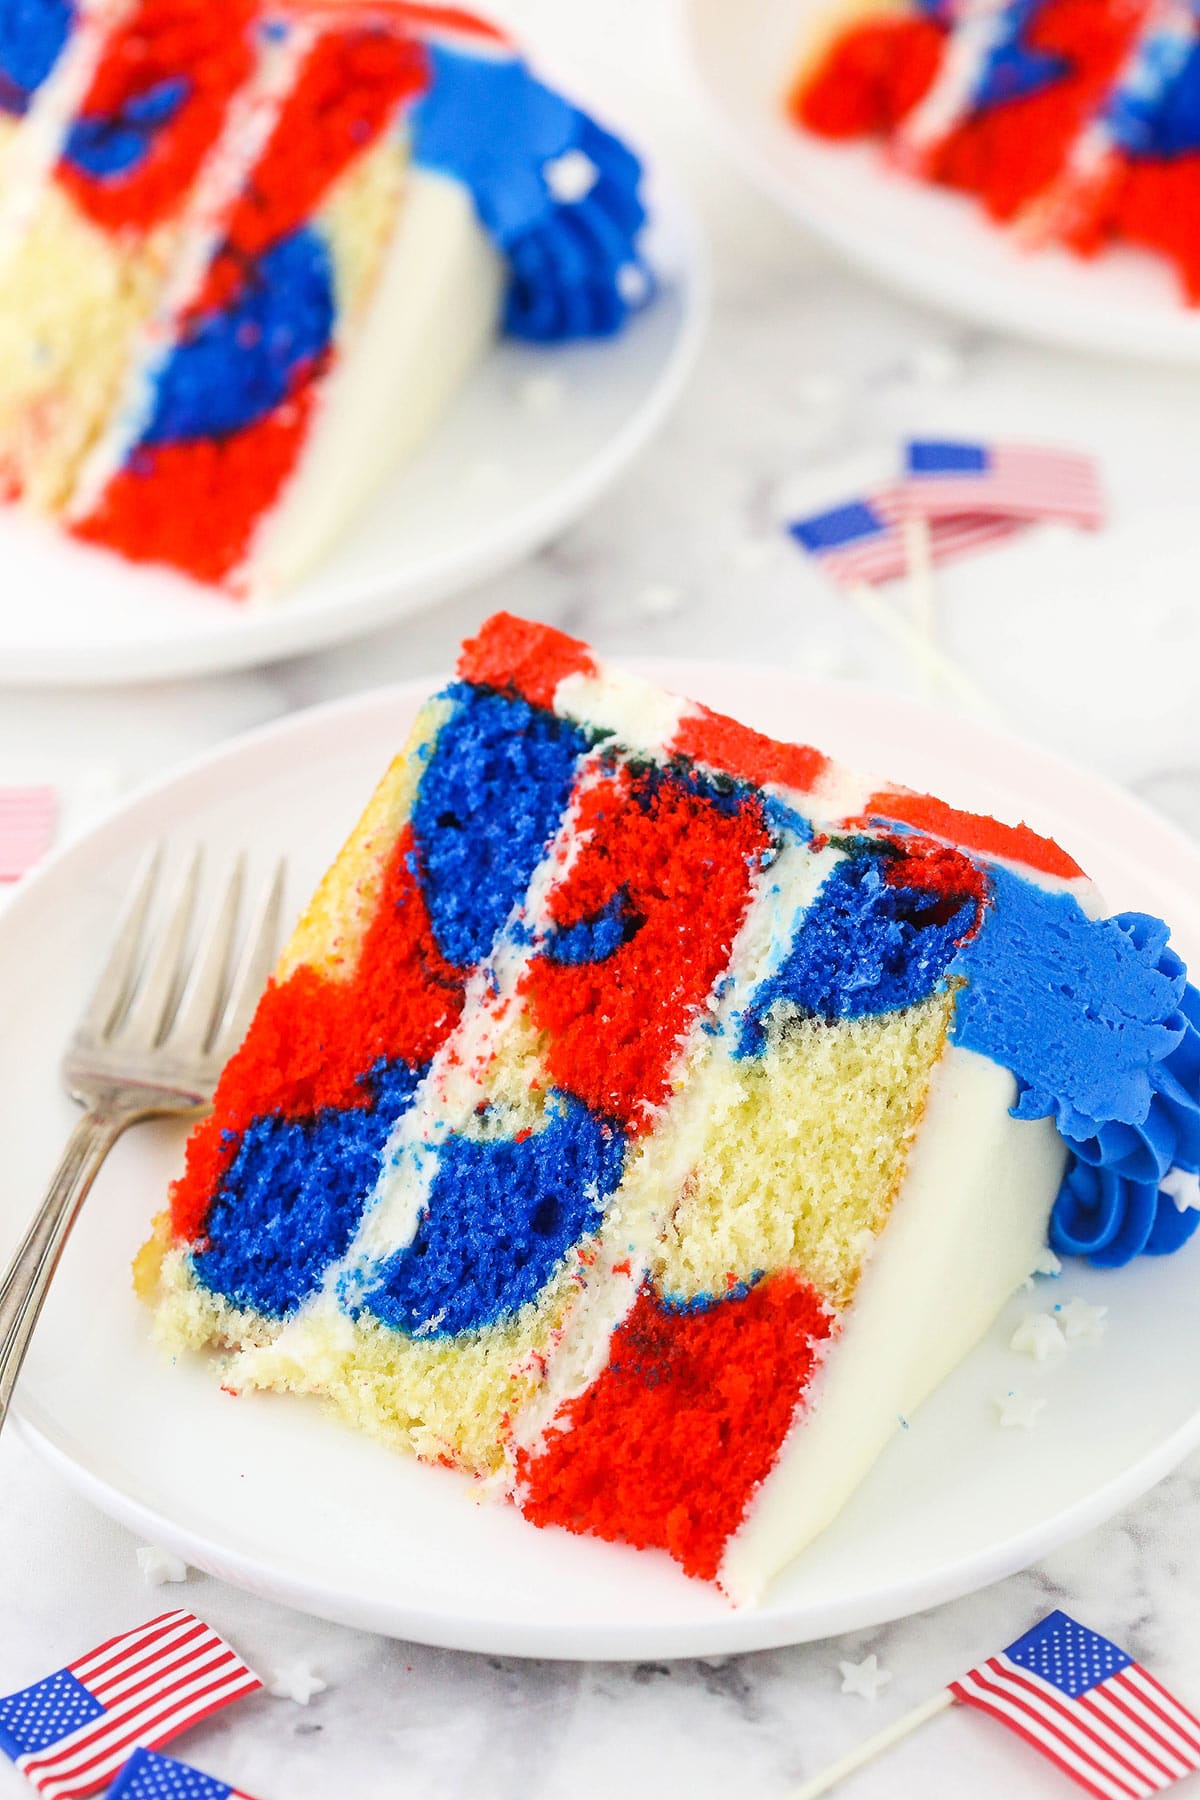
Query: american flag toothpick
[[72, 1733], [1018, 482], [863, 539], [871, 539], [28, 816], [1083, 1702], [148, 1776]]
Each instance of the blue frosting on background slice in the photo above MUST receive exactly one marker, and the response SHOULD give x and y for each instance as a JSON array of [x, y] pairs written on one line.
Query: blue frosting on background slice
[[488, 123], [502, 1215], [490, 799], [32, 36]]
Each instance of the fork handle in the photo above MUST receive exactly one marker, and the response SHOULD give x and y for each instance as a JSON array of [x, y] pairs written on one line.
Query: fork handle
[[27, 1280]]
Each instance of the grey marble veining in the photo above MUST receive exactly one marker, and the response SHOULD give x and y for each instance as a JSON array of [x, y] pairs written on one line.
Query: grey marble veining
[[1089, 645]]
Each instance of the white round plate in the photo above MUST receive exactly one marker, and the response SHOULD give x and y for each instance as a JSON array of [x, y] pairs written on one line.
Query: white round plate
[[271, 1493], [926, 241], [533, 440]]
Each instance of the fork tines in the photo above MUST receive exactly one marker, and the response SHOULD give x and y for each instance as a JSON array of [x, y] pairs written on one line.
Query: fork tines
[[155, 991]]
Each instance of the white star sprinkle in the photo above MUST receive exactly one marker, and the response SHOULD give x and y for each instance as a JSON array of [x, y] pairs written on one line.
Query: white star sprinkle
[[1082, 1323], [1047, 1264], [571, 176], [1019, 1410], [158, 1566], [1183, 1188], [542, 395], [865, 1678], [633, 284], [296, 1681], [659, 599], [1038, 1335]]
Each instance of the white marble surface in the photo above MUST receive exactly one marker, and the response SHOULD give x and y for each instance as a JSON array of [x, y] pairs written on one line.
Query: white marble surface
[[1090, 645]]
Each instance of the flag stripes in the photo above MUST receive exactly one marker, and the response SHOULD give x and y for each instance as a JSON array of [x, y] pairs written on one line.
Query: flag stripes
[[1123, 1739], [1020, 481], [150, 1684], [863, 540], [28, 816]]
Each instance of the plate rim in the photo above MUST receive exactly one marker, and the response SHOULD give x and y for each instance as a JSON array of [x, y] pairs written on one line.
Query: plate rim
[[739, 1631], [945, 284]]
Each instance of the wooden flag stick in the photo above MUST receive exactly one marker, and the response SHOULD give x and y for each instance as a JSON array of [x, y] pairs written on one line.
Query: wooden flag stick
[[883, 1740], [926, 654], [918, 551]]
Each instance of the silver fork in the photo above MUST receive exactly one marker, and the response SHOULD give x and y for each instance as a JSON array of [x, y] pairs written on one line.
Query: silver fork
[[152, 1041]]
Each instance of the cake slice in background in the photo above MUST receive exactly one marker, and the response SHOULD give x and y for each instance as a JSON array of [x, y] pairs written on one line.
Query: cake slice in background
[[1134, 174], [268, 246], [646, 1114], [98, 218], [1078, 119]]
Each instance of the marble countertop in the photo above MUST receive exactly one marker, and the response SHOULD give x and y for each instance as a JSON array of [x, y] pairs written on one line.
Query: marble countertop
[[1089, 644]]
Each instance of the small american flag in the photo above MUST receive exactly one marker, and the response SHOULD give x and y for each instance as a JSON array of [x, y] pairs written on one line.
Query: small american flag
[[1102, 1718], [1017, 481], [863, 540], [28, 816], [148, 1776], [72, 1732]]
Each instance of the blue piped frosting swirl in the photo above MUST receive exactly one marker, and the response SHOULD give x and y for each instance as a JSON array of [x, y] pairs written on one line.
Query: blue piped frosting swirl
[[558, 195], [1110, 1049], [1111, 1206]]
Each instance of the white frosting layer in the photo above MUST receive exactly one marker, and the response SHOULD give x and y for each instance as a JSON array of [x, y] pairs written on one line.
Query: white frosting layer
[[977, 31], [645, 718], [967, 1226], [434, 312]]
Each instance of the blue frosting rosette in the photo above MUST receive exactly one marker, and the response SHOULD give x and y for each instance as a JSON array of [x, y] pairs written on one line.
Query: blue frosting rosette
[[1097, 1022], [1112, 1205], [557, 194]]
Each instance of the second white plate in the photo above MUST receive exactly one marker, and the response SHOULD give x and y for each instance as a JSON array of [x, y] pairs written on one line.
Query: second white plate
[[925, 241], [534, 439], [270, 1493]]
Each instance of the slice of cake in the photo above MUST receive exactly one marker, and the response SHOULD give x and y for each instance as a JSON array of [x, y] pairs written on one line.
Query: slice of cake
[[1080, 119], [257, 252], [645, 1114], [1134, 175]]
